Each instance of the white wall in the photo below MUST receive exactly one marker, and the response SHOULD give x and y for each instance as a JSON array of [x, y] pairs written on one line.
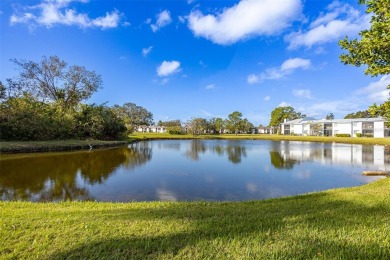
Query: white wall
[[379, 129], [342, 128]]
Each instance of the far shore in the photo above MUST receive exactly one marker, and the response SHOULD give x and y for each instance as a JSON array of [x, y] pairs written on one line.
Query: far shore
[[72, 145]]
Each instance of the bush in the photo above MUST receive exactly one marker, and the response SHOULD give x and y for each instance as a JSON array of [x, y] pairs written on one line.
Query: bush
[[369, 135], [175, 130], [343, 135], [358, 135]]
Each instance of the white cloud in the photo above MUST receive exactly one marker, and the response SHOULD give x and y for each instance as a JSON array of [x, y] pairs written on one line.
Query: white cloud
[[163, 19], [340, 20], [267, 98], [295, 63], [168, 68], [146, 51], [287, 67], [246, 19], [359, 100], [284, 104], [376, 91], [305, 93], [210, 86], [53, 12]]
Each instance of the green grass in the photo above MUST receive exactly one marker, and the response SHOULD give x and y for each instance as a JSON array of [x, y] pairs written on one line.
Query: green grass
[[349, 223], [348, 140], [57, 145]]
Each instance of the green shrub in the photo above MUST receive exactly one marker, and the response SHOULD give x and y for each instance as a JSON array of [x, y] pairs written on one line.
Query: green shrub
[[343, 135], [369, 135], [358, 135]]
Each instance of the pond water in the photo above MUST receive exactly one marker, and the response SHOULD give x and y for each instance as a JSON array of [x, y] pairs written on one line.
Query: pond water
[[189, 170]]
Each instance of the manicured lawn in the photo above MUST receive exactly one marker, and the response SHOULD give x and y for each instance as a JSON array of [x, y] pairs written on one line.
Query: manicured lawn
[[39, 146], [350, 223], [349, 140]]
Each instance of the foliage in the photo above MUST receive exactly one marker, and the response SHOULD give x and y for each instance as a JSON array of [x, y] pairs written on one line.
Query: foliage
[[359, 114], [2, 91], [133, 115], [382, 110], [280, 113], [175, 130], [358, 134], [342, 135], [373, 47], [25, 118], [348, 223], [52, 80], [216, 124], [98, 122], [329, 116], [234, 121], [197, 126], [170, 123]]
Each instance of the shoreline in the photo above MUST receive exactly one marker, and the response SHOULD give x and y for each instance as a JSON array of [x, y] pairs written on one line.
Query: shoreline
[[15, 147]]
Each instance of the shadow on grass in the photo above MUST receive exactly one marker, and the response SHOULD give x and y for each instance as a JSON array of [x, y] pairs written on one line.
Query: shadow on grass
[[310, 226]]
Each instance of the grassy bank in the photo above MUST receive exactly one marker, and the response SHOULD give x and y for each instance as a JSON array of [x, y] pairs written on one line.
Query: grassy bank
[[60, 145], [350, 223], [66, 145], [324, 139]]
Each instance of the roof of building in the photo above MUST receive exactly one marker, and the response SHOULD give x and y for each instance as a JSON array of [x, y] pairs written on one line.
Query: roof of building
[[338, 121]]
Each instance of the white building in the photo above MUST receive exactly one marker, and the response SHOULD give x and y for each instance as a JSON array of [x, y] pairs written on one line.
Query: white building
[[368, 127], [151, 129]]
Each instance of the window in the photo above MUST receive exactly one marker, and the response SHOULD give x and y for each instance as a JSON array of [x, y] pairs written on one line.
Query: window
[[355, 124]]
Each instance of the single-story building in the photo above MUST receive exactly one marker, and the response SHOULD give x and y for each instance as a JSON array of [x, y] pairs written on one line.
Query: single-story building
[[368, 127], [151, 129], [261, 130]]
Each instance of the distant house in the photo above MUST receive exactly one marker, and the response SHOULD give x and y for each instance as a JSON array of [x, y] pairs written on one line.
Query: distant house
[[261, 130], [151, 129], [369, 127]]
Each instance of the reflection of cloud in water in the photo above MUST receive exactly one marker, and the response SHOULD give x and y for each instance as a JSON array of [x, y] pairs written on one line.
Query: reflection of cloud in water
[[304, 174], [165, 195], [251, 187], [209, 179], [266, 168]]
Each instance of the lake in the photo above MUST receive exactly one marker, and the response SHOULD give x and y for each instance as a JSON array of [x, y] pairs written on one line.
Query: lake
[[189, 170]]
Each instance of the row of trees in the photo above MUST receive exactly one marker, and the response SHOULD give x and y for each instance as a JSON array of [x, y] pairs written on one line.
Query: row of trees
[[44, 102], [233, 124]]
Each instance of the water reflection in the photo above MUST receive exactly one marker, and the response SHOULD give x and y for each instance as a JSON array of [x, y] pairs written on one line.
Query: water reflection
[[234, 151], [284, 155], [185, 170], [56, 176]]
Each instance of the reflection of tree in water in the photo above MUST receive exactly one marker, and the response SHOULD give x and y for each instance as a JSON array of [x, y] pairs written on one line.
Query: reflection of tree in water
[[53, 177], [197, 147], [279, 162], [234, 152]]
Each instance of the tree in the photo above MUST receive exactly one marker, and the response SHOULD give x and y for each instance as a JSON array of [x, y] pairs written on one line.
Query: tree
[[359, 114], [280, 113], [173, 126], [233, 122], [372, 49], [329, 116], [2, 91], [133, 115], [380, 110], [196, 126], [216, 124], [245, 126], [52, 79]]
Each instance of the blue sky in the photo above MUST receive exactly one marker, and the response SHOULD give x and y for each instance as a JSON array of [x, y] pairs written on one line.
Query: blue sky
[[182, 59]]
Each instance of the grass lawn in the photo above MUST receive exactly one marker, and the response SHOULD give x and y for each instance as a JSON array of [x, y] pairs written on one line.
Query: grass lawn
[[57, 145], [350, 223], [348, 140]]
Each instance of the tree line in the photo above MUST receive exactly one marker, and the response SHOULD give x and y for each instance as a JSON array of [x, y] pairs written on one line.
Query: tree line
[[45, 102]]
